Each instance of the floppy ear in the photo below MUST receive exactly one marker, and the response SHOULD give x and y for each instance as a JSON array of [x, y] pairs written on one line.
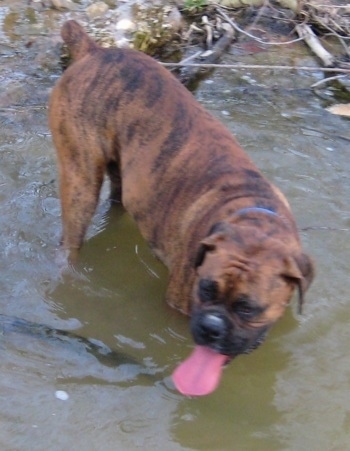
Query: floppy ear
[[301, 269], [208, 244]]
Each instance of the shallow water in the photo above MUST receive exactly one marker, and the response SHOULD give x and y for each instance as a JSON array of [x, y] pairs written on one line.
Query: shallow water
[[291, 394]]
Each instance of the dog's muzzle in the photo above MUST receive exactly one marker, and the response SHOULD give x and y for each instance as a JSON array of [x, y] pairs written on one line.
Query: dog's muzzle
[[213, 328]]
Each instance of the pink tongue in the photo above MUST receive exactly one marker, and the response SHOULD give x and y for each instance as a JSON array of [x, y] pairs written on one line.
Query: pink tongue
[[200, 373]]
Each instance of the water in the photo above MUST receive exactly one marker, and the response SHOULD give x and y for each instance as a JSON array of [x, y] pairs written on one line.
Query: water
[[291, 394]]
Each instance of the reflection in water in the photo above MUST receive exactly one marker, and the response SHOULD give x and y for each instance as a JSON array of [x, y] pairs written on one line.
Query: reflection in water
[[314, 385], [106, 367], [65, 337]]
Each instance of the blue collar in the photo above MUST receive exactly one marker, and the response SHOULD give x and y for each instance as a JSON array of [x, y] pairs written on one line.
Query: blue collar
[[255, 209]]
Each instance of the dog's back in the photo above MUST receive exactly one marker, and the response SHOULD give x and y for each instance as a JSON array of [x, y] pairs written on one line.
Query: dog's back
[[119, 109]]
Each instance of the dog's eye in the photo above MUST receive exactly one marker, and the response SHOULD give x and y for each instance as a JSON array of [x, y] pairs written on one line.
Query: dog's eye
[[245, 310], [208, 290]]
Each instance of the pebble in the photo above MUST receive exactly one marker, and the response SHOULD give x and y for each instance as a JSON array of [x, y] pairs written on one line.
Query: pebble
[[96, 10], [125, 25], [62, 395]]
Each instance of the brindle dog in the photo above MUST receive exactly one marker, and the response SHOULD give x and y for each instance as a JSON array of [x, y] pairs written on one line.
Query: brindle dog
[[226, 234]]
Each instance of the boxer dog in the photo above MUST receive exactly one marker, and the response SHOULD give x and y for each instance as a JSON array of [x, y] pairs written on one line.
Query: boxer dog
[[226, 234]]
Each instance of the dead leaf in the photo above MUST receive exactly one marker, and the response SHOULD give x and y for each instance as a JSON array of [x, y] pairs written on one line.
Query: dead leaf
[[291, 4], [342, 109]]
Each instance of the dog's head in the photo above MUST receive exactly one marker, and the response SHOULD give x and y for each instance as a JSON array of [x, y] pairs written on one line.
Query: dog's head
[[245, 278], [244, 281]]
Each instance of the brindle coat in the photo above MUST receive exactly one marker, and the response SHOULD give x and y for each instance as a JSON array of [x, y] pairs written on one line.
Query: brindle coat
[[224, 231]]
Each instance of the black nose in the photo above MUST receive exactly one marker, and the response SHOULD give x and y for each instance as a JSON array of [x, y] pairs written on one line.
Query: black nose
[[212, 327]]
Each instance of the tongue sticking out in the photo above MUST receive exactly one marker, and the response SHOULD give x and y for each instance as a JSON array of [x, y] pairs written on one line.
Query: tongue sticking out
[[200, 373]]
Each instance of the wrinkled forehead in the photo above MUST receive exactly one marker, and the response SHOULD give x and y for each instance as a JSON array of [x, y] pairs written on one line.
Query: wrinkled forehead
[[256, 278], [259, 270]]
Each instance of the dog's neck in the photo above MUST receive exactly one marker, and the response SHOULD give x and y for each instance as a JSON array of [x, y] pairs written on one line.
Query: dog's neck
[[249, 213]]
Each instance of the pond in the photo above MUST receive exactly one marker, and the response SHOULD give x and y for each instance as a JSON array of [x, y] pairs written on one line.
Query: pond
[[114, 391]]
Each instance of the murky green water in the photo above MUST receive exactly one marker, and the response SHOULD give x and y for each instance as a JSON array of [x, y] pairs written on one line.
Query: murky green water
[[291, 394]]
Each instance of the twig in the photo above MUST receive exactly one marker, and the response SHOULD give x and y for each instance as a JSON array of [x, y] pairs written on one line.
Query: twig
[[331, 135], [21, 109], [327, 6], [305, 32], [326, 80], [334, 33], [188, 59], [209, 32], [259, 66], [194, 71], [332, 229], [261, 41]]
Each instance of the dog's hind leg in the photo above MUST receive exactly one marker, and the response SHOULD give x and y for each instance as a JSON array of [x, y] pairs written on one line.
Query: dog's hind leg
[[81, 177]]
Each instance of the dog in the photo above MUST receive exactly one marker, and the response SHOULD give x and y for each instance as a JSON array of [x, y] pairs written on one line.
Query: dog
[[225, 233]]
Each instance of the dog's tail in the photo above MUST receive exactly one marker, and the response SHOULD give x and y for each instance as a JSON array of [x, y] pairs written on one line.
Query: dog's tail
[[78, 42]]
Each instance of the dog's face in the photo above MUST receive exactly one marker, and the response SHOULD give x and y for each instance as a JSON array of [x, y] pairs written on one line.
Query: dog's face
[[244, 282]]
